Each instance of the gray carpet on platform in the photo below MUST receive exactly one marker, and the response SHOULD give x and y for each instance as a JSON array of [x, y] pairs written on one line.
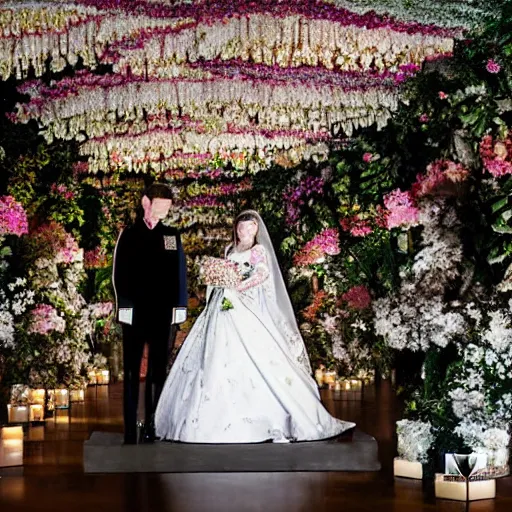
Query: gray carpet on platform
[[104, 453]]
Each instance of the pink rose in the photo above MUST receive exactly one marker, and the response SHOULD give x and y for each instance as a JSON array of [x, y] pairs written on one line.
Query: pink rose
[[492, 66]]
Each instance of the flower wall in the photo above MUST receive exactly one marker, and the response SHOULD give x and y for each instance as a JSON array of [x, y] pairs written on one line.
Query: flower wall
[[374, 140]]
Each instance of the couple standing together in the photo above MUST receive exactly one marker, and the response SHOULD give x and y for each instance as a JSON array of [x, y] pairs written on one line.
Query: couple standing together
[[243, 374]]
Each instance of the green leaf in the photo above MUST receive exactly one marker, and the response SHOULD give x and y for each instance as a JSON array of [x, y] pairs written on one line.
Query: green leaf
[[498, 205], [502, 229]]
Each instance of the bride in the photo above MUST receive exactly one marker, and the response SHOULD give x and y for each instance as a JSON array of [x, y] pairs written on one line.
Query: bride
[[243, 374]]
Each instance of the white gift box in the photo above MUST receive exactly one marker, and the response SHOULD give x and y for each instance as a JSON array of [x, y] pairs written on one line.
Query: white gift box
[[407, 469], [456, 490]]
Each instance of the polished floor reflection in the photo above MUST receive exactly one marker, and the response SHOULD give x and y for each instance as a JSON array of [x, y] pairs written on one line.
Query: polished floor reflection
[[52, 477]]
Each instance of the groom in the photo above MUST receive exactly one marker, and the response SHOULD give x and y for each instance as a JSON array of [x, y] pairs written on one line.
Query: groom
[[149, 279]]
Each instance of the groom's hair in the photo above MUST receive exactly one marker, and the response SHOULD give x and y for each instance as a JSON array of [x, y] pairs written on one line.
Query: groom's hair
[[158, 191]]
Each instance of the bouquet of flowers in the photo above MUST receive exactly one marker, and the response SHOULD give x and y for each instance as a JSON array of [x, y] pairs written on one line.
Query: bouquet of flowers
[[219, 272]]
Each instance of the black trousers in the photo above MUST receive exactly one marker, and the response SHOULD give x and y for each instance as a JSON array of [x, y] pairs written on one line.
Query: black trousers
[[159, 343]]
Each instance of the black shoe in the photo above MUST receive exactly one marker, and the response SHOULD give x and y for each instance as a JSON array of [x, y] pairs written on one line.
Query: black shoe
[[130, 439], [148, 433]]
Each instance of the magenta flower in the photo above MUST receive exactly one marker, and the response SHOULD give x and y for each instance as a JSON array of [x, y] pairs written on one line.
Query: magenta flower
[[367, 157], [424, 118], [493, 67], [13, 219], [402, 211], [443, 95], [325, 243]]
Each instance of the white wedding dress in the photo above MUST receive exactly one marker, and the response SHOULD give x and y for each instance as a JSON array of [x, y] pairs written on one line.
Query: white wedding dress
[[236, 378]]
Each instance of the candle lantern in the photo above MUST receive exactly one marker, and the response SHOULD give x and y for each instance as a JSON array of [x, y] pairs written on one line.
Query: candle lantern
[[17, 413], [36, 412], [102, 377], [330, 378], [59, 398], [319, 376], [92, 377], [77, 395], [37, 396]]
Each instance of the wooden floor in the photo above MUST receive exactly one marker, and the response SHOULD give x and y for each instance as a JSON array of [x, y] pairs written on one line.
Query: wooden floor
[[53, 479]]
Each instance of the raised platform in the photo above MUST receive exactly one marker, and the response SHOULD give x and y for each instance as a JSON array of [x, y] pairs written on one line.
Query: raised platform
[[105, 453]]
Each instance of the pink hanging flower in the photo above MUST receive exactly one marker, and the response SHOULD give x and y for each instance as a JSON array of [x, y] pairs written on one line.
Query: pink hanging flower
[[493, 67], [358, 297], [442, 95], [402, 211], [13, 219], [367, 157]]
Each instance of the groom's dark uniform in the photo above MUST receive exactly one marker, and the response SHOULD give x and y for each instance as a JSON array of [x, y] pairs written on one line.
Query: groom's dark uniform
[[149, 279]]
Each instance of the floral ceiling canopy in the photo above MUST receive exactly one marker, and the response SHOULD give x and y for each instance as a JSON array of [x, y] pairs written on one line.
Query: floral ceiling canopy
[[184, 84]]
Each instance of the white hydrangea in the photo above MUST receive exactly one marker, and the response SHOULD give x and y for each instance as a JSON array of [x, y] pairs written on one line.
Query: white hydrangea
[[414, 440]]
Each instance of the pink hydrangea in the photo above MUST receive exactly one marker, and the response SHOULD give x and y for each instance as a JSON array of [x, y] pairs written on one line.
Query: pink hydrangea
[[45, 319], [402, 211], [13, 219]]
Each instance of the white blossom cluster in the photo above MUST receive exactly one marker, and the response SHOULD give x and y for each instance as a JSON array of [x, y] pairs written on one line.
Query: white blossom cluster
[[414, 440], [416, 322], [492, 441], [14, 301], [418, 316]]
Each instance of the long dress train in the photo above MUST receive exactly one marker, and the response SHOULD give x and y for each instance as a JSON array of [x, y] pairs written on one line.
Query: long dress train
[[235, 380]]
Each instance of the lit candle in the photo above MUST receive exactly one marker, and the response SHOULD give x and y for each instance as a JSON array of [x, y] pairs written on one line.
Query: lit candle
[[347, 385], [36, 412], [337, 386], [92, 377]]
